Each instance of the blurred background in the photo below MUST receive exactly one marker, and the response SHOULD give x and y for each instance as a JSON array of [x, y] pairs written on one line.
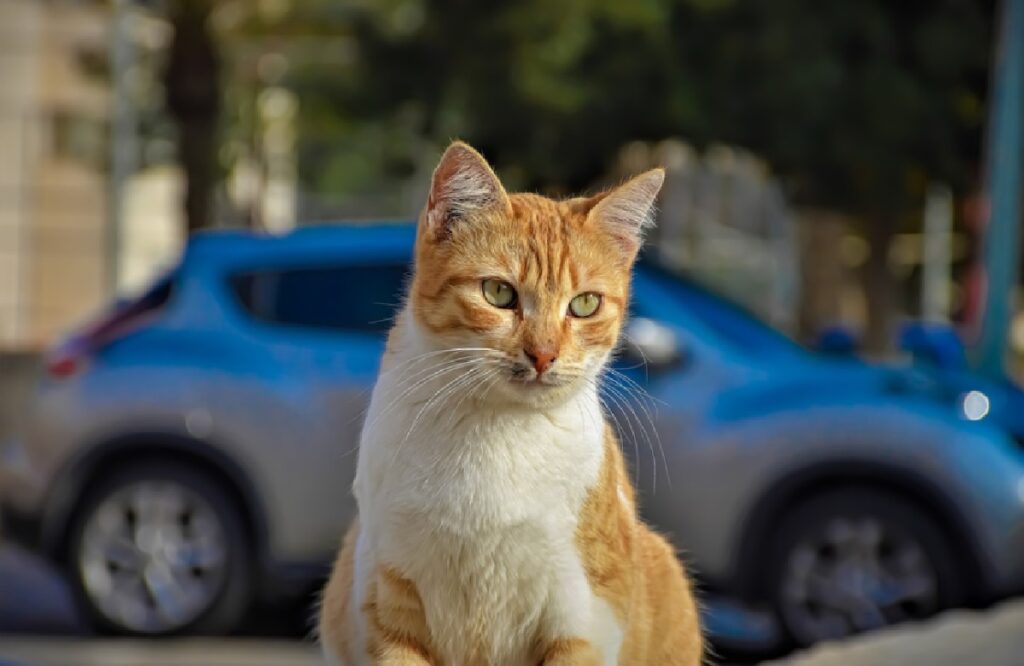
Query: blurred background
[[190, 188]]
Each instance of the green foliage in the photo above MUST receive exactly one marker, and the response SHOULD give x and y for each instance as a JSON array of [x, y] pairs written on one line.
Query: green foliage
[[856, 103], [859, 103]]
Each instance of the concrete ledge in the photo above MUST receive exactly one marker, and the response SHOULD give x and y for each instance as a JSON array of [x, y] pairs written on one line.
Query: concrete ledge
[[172, 652], [993, 637], [989, 638]]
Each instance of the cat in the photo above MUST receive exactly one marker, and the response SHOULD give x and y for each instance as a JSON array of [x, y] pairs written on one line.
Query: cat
[[497, 522]]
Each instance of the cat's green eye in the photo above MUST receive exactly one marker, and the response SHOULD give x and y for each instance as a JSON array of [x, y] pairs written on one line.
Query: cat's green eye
[[585, 305], [499, 293]]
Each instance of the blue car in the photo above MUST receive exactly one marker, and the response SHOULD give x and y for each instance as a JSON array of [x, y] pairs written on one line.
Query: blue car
[[836, 495]]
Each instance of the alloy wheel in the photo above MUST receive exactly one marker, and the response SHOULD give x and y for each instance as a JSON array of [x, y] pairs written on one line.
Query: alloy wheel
[[153, 556]]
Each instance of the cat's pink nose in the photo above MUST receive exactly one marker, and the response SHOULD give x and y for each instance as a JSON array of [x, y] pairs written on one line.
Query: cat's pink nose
[[542, 358]]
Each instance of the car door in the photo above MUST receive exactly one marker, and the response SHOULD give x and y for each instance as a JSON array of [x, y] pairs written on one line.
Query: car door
[[324, 323], [663, 379], [686, 367]]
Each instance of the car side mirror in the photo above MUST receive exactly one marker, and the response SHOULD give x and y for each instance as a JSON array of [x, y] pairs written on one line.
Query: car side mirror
[[649, 342], [837, 341], [933, 344]]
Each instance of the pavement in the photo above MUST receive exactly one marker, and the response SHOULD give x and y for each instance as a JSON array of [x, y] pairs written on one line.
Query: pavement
[[34, 598], [987, 638], [993, 637], [39, 627], [179, 652]]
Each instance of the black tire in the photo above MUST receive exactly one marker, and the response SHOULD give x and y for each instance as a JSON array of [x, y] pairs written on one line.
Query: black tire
[[231, 590], [839, 559]]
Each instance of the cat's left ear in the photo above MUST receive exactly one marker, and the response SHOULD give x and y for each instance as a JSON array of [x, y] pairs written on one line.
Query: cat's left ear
[[627, 211], [463, 186]]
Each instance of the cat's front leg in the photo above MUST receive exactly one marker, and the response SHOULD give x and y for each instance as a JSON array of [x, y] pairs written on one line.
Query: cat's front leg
[[398, 627], [398, 654], [570, 652], [578, 627]]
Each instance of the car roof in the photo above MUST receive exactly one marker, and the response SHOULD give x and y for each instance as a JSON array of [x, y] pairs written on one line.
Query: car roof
[[370, 239], [383, 240]]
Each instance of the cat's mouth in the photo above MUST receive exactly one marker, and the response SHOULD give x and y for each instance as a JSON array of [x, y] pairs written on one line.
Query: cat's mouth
[[536, 382], [528, 378]]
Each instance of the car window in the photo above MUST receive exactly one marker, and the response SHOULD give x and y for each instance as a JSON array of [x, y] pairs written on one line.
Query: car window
[[731, 323], [350, 298]]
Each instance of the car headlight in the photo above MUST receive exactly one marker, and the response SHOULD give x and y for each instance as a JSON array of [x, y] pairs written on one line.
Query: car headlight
[[974, 405]]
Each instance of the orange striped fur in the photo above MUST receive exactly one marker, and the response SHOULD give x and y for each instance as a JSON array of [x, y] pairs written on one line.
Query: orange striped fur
[[498, 524]]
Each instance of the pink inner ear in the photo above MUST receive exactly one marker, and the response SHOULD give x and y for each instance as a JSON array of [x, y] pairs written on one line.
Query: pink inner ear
[[463, 184], [628, 211], [626, 232], [437, 204], [437, 212], [630, 244]]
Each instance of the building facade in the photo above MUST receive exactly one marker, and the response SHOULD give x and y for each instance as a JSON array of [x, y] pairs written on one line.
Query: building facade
[[54, 128]]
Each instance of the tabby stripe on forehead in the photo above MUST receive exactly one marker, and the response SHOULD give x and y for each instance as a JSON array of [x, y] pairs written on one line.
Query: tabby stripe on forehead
[[536, 258], [556, 253], [554, 275], [563, 260]]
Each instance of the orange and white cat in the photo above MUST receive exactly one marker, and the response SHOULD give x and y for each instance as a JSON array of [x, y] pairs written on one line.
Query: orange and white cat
[[497, 523]]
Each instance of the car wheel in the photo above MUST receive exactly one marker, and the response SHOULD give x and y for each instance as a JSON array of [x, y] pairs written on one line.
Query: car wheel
[[854, 560], [160, 548]]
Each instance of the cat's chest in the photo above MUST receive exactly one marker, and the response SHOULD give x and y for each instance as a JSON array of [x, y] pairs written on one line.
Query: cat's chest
[[479, 510], [491, 596], [480, 469]]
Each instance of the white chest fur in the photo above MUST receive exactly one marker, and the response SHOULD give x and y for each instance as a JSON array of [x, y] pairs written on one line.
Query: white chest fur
[[478, 507]]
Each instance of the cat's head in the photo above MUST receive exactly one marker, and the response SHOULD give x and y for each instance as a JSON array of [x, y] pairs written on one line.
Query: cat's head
[[544, 284]]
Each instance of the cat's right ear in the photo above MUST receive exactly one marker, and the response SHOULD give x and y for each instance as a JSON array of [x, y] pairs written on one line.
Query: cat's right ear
[[464, 186]]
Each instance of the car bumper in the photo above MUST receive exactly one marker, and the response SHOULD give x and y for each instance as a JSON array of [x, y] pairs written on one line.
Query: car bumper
[[21, 528], [1001, 512], [21, 484], [21, 497], [1014, 553]]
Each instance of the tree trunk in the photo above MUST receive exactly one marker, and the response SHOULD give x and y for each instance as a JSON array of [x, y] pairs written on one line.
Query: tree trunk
[[821, 270], [879, 285], [196, 151], [192, 83]]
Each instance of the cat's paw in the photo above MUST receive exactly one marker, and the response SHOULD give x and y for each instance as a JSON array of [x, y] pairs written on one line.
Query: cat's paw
[[571, 652]]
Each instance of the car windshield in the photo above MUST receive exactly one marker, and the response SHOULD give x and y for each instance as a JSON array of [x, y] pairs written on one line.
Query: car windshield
[[736, 325]]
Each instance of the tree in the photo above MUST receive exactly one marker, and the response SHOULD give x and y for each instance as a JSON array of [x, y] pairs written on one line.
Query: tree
[[192, 85], [857, 105]]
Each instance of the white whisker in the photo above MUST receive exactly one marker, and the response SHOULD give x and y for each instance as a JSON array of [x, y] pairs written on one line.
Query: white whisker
[[623, 398], [431, 374], [624, 383]]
